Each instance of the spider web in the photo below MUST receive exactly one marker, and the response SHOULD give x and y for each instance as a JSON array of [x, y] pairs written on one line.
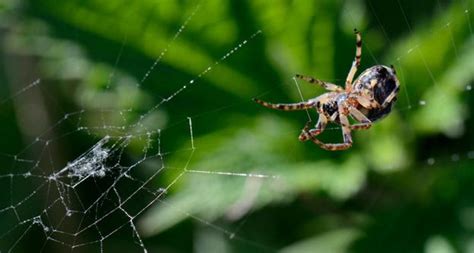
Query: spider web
[[67, 218], [81, 203]]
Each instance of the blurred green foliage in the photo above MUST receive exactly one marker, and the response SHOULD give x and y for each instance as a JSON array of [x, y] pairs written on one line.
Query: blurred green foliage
[[404, 186]]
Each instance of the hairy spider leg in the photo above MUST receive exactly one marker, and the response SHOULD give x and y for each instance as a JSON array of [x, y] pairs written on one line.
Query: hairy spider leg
[[325, 85], [307, 133], [287, 107], [356, 62], [346, 135], [359, 116]]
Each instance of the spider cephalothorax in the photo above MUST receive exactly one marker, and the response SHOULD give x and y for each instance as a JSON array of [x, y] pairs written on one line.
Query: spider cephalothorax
[[369, 98]]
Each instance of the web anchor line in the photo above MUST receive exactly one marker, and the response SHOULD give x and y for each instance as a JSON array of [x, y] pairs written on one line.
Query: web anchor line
[[236, 174], [194, 81]]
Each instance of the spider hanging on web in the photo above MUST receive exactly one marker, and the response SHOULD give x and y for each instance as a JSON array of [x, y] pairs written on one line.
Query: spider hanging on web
[[369, 98]]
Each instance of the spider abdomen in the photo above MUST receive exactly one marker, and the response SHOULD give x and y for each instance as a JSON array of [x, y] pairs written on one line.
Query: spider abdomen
[[377, 83]]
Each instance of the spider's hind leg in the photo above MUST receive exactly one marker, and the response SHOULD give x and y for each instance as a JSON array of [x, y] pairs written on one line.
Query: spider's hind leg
[[346, 135], [307, 133], [359, 116]]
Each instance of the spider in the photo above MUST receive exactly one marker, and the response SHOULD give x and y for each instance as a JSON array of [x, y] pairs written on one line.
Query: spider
[[369, 98]]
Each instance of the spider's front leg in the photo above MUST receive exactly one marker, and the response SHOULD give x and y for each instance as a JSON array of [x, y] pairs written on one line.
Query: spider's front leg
[[325, 85], [307, 133], [393, 94], [356, 62], [287, 107]]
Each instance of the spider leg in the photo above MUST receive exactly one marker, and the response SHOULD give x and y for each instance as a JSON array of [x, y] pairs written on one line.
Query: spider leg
[[392, 95], [359, 116], [356, 62], [287, 107], [366, 102], [346, 135], [325, 85], [307, 133]]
